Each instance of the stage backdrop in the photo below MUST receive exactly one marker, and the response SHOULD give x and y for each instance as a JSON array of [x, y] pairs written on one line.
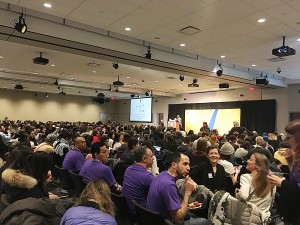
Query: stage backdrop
[[257, 115], [221, 119]]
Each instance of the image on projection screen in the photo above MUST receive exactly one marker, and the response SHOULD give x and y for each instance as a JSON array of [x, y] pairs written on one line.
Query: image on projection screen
[[220, 119], [140, 110]]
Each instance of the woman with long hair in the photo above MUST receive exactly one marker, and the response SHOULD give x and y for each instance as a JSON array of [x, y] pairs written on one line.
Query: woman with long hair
[[255, 187], [289, 206], [94, 206]]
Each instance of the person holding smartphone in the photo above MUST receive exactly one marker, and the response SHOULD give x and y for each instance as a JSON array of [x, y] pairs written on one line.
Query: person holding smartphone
[[289, 199]]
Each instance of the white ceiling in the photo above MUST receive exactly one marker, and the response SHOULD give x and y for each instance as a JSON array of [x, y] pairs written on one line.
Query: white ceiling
[[228, 27]]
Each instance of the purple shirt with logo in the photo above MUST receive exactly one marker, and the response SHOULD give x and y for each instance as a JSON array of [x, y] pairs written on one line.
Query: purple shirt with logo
[[136, 185], [95, 170], [73, 160], [163, 195]]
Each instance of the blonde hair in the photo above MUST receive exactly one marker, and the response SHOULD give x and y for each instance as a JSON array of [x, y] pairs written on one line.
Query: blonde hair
[[260, 181], [272, 136], [213, 139], [98, 191]]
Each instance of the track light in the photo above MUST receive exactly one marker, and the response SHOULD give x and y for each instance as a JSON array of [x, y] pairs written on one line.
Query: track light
[[181, 78], [148, 93], [109, 89], [46, 95], [56, 82], [195, 80], [117, 89], [219, 70], [148, 54], [115, 65], [21, 25]]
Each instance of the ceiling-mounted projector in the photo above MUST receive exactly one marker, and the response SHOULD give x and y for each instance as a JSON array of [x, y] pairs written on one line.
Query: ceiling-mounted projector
[[193, 85], [19, 87], [118, 82], [283, 50], [40, 60]]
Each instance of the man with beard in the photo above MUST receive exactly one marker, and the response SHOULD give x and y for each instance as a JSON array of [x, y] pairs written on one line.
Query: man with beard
[[163, 195]]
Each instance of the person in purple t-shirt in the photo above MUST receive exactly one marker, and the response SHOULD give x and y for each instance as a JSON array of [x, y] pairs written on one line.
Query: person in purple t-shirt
[[163, 195], [95, 169], [137, 179], [74, 159]]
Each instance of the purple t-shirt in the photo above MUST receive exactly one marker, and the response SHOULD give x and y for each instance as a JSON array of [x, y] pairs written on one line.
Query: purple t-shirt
[[95, 170], [73, 160], [136, 185], [163, 195]]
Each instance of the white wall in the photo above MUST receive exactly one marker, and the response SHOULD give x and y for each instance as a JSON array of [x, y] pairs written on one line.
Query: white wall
[[23, 105]]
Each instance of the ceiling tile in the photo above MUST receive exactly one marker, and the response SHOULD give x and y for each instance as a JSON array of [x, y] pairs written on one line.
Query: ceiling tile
[[190, 6], [283, 13], [260, 5]]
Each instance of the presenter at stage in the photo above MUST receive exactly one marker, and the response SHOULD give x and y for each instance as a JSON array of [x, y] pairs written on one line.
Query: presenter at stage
[[236, 127], [178, 119]]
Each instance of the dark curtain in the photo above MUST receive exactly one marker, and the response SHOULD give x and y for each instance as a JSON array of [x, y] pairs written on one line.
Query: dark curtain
[[257, 115]]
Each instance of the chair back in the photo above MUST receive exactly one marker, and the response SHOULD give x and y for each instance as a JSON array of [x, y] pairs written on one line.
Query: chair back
[[146, 216], [123, 215], [79, 184], [66, 181]]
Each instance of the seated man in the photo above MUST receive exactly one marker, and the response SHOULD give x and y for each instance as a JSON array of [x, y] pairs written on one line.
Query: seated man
[[137, 179], [74, 159], [163, 196], [95, 169]]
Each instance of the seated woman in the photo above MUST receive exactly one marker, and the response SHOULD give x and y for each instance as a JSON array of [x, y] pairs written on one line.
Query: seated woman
[[94, 206], [255, 187], [210, 173], [26, 175]]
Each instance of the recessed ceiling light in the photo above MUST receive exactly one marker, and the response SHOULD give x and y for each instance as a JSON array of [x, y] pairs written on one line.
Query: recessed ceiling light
[[297, 40], [42, 87], [72, 78], [103, 82], [52, 65], [12, 84], [222, 56], [180, 85], [253, 65], [156, 81], [1, 57], [127, 28], [94, 71], [262, 20], [182, 45], [47, 5], [128, 77], [35, 73]]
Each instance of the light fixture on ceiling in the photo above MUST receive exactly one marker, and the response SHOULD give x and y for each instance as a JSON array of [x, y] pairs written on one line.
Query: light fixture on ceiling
[[148, 93], [148, 54], [109, 89], [46, 95], [262, 79], [35, 94], [181, 77], [47, 5], [117, 89], [195, 80], [55, 82], [115, 65], [21, 25], [219, 71], [19, 86], [62, 92]]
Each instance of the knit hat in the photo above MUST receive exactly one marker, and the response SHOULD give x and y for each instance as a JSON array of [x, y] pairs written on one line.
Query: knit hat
[[227, 149]]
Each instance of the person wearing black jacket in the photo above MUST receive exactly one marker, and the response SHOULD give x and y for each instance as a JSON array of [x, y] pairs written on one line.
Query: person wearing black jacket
[[210, 173]]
